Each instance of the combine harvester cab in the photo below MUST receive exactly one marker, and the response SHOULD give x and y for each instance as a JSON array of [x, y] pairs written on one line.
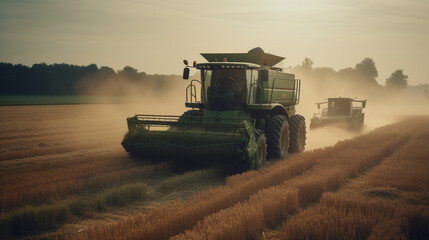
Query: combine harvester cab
[[246, 113], [346, 112]]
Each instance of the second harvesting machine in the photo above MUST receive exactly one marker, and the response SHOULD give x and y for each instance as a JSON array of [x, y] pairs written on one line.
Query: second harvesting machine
[[246, 114]]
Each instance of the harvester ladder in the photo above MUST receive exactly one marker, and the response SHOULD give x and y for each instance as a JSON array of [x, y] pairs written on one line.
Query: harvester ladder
[[191, 92]]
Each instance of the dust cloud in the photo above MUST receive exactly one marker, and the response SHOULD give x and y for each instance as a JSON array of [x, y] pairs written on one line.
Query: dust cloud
[[126, 94], [384, 106], [117, 99], [127, 83], [112, 117]]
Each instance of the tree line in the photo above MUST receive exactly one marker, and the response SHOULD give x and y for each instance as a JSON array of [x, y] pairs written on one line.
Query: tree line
[[364, 73], [67, 79]]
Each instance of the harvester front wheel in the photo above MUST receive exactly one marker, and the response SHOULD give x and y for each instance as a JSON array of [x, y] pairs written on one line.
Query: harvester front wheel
[[277, 132], [261, 154], [297, 134], [260, 157]]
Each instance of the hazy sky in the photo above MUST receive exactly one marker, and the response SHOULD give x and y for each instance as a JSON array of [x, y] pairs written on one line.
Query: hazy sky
[[155, 36]]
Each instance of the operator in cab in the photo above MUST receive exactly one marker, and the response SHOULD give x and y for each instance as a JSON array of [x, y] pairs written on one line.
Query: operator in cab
[[228, 90]]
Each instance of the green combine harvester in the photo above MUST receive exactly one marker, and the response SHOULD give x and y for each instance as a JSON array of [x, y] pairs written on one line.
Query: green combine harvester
[[245, 114], [342, 111]]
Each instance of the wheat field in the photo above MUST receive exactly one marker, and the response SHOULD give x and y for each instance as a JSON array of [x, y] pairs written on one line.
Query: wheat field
[[64, 174], [62, 166], [339, 192]]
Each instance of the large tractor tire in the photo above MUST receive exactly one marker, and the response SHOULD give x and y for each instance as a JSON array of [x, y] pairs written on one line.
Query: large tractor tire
[[277, 132], [297, 134], [258, 160]]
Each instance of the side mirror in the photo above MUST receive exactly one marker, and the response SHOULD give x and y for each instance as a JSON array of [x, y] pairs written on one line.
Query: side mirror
[[318, 106], [264, 75], [364, 104], [186, 73]]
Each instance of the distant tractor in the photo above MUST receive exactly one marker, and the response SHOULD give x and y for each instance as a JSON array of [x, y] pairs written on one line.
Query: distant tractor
[[343, 111], [245, 114]]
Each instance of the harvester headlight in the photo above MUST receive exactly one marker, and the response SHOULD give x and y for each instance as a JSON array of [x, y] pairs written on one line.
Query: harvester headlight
[[228, 66], [223, 66], [233, 66]]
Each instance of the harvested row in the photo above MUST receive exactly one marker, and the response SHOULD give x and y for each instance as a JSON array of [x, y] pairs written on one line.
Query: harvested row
[[38, 219], [19, 177], [60, 129], [87, 173], [39, 131], [58, 160], [35, 120], [53, 135], [59, 112], [22, 128], [33, 151]]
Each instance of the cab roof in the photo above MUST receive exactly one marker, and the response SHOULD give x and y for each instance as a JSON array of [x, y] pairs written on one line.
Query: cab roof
[[228, 65]]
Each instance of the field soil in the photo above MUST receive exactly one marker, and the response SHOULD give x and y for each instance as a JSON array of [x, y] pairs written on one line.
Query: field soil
[[64, 174]]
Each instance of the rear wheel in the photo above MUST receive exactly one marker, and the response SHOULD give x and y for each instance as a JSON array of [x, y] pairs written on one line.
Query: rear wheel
[[277, 132], [297, 134]]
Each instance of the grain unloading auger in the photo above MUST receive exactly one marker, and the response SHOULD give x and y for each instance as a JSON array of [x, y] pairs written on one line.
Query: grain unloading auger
[[246, 114]]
